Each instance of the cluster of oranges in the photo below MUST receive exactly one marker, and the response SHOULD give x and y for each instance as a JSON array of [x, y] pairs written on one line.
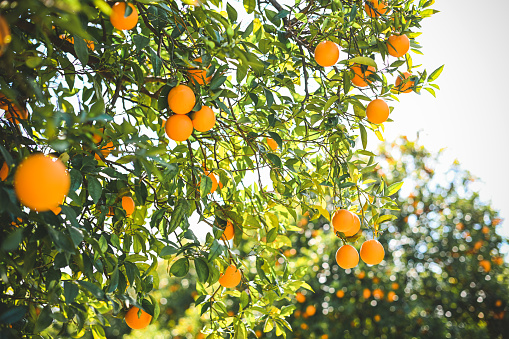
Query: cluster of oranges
[[372, 251], [327, 54]]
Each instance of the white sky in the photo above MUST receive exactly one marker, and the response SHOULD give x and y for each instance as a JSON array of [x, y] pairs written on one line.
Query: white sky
[[468, 117]]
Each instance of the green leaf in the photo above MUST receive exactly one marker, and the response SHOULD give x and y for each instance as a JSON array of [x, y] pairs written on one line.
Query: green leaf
[[94, 188], [156, 62], [217, 82], [158, 215], [205, 186], [92, 288], [232, 13], [384, 218], [363, 61], [436, 73], [180, 267], [114, 280], [12, 241], [394, 188], [274, 159], [131, 271], [13, 315], [44, 320], [240, 330], [167, 252], [364, 136], [70, 292], [179, 213], [202, 269], [277, 139], [140, 41], [249, 5], [81, 49]]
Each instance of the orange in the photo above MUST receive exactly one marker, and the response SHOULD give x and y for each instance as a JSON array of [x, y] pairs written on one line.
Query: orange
[[179, 127], [498, 303], [356, 226], [378, 293], [498, 260], [343, 220], [366, 293], [360, 78], [404, 87], [56, 210], [4, 102], [118, 18], [212, 177], [391, 296], [181, 99], [15, 114], [377, 318], [96, 138], [326, 53], [347, 257], [199, 75], [4, 172], [272, 143], [478, 244], [486, 265], [398, 45], [5, 35], [90, 43], [304, 326], [301, 298], [310, 310], [377, 111], [128, 205], [137, 322], [485, 230], [231, 277], [376, 8], [258, 333], [372, 252], [228, 231], [41, 182], [394, 286], [340, 294], [204, 119], [361, 275], [105, 150]]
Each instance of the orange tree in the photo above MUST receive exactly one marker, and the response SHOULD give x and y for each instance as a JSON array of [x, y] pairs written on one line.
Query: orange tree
[[160, 110]]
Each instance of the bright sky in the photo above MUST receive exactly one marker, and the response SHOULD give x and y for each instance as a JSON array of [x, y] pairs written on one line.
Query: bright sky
[[467, 117]]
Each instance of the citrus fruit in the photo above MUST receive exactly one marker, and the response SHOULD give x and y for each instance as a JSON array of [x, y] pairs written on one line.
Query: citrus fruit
[[343, 220], [4, 171], [212, 177], [179, 127], [378, 293], [272, 143], [377, 7], [372, 252], [391, 296], [5, 35], [105, 150], [199, 75], [377, 318], [326, 53], [97, 138], [404, 87], [204, 119], [56, 210], [366, 293], [231, 277], [41, 182], [310, 310], [118, 18], [90, 43], [181, 99], [486, 265], [398, 45], [15, 114], [340, 294], [228, 231], [356, 226], [377, 111], [4, 102], [360, 78], [347, 257], [301, 298], [137, 322], [128, 205]]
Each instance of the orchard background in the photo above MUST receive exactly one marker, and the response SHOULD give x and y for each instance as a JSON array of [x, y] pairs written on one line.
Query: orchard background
[[124, 110]]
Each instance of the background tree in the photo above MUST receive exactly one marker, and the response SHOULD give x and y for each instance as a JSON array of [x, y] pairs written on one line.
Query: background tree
[[98, 84]]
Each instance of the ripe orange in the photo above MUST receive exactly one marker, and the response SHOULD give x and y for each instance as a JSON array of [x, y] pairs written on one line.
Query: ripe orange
[[372, 252], [361, 275], [90, 43], [377, 318], [391, 296], [301, 298], [272, 143], [377, 111], [96, 138], [360, 78], [394, 286], [56, 210], [485, 230], [340, 294], [231, 277], [181, 99], [343, 220], [41, 182], [310, 310], [498, 260], [366, 293], [212, 177], [486, 265], [199, 75], [326, 53], [179, 127], [128, 205], [347, 257], [398, 45], [304, 326], [377, 7], [498, 303], [118, 18], [105, 150], [356, 226], [15, 114], [5, 35], [378, 293], [404, 87], [204, 119], [4, 172], [228, 231], [133, 321]]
